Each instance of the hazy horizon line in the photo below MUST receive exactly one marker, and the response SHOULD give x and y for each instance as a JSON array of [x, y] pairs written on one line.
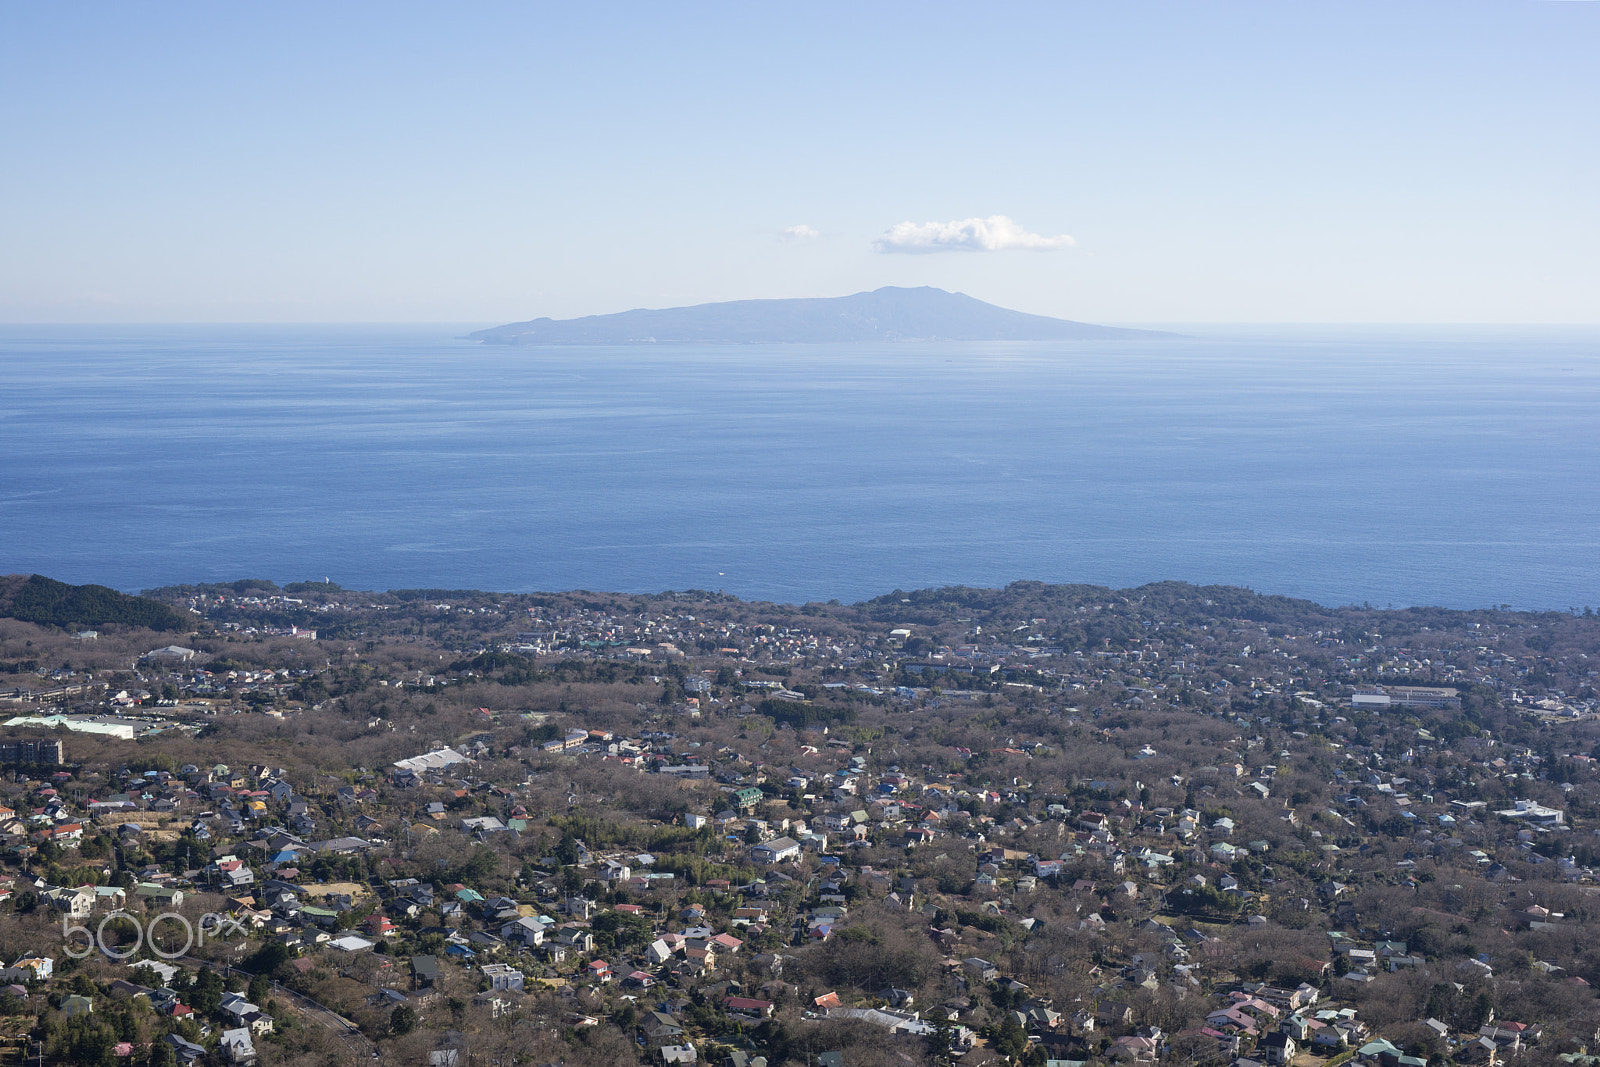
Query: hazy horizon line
[[460, 323]]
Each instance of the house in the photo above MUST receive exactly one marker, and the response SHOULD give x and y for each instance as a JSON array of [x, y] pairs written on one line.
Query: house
[[1379, 1049], [76, 903], [159, 895], [659, 1025], [169, 1003], [243, 1013], [185, 1051], [577, 939], [378, 925], [498, 1006], [499, 909], [523, 931], [749, 1007], [424, 971], [73, 1006], [1135, 1047], [781, 850], [981, 969], [503, 977], [1048, 1018], [29, 969], [678, 1054], [1231, 1020], [229, 873], [236, 1046], [1113, 1013], [1277, 1047], [1506, 1038], [1336, 1036], [1297, 1027]]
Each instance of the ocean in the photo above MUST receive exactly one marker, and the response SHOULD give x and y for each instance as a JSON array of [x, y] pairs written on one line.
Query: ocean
[[1393, 466]]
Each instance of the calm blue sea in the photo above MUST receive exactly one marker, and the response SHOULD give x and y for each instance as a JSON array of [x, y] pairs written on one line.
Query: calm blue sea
[[1424, 466]]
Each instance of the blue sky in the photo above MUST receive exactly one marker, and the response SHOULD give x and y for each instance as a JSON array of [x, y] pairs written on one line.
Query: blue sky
[[1228, 162]]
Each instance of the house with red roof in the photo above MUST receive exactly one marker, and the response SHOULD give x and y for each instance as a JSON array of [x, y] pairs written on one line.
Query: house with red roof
[[749, 1007], [378, 925]]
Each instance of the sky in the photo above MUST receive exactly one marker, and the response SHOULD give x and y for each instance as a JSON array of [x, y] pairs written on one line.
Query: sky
[[1153, 162]]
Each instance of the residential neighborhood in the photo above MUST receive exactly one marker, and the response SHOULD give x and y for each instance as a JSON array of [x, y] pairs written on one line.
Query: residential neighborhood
[[1043, 825]]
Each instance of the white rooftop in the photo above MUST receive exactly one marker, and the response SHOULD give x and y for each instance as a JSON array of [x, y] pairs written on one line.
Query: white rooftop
[[432, 761]]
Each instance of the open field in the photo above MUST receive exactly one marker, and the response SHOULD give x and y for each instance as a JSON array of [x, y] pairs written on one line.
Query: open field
[[354, 890]]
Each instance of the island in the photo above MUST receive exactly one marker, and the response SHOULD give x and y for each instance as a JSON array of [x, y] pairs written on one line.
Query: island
[[887, 314]]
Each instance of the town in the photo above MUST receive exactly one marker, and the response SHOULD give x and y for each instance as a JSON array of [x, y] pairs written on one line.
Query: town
[[1039, 825]]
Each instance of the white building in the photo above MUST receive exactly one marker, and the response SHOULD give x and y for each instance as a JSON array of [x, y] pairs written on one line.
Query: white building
[[172, 653], [438, 759], [527, 931], [236, 1046], [777, 851], [502, 977], [1531, 811]]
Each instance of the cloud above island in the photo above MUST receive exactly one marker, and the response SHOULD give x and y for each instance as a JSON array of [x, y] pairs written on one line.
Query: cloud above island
[[997, 233], [801, 232]]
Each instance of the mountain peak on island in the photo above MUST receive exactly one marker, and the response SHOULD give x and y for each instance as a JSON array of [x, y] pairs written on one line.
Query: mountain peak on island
[[887, 314]]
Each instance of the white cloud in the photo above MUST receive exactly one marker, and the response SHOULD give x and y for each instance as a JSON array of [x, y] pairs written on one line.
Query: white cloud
[[802, 232], [997, 233]]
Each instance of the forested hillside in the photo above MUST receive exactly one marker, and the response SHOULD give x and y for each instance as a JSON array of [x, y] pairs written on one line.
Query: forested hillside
[[35, 598]]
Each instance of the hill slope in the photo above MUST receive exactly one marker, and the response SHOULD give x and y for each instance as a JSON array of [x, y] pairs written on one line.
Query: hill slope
[[887, 314], [35, 598]]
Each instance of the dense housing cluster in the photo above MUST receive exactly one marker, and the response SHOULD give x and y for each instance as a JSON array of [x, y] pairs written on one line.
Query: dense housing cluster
[[1042, 824]]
